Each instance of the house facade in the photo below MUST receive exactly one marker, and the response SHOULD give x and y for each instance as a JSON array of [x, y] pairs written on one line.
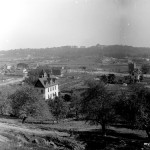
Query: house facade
[[47, 86]]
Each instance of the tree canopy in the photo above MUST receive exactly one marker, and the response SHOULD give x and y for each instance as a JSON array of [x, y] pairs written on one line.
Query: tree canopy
[[58, 108], [26, 102], [134, 107], [97, 105], [145, 68]]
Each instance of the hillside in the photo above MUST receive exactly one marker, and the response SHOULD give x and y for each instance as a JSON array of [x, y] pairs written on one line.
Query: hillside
[[116, 51], [16, 136]]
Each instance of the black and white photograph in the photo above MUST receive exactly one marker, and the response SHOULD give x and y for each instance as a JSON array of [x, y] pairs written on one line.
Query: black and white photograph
[[74, 74]]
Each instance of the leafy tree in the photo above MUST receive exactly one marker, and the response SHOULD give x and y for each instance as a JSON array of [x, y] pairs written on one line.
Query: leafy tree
[[104, 78], [58, 108], [135, 108], [83, 67], [75, 105], [5, 91], [33, 76], [67, 98], [145, 68], [97, 105], [4, 104], [126, 108], [25, 102], [111, 78]]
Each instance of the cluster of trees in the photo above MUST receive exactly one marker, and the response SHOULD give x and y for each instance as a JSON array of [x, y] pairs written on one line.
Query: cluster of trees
[[145, 68], [104, 107], [112, 79], [96, 105], [24, 102]]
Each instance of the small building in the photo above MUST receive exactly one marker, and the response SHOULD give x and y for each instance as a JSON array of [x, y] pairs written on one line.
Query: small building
[[47, 86]]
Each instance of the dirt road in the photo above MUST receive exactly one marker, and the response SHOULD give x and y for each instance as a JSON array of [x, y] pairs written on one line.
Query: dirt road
[[11, 81]]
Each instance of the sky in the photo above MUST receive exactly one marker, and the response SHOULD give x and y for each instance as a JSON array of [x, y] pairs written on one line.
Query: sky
[[52, 23]]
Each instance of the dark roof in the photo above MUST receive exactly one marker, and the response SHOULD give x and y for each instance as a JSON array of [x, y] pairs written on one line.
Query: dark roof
[[45, 82]]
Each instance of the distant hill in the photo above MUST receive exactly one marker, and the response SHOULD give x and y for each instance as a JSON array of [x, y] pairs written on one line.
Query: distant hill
[[116, 51]]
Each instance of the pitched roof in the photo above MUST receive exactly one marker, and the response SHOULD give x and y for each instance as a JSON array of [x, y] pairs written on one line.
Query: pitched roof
[[46, 82]]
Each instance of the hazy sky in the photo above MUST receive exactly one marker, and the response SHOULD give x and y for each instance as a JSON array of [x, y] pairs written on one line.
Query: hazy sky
[[48, 23]]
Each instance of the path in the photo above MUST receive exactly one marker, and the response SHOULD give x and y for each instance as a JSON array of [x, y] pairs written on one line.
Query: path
[[13, 81]]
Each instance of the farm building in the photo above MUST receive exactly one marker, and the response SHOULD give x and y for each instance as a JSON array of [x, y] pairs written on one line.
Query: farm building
[[47, 86]]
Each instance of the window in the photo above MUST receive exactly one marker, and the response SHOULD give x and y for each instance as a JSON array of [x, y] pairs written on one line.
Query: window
[[48, 89], [42, 91]]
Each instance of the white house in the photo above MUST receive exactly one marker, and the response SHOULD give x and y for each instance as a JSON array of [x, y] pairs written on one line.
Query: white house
[[47, 86]]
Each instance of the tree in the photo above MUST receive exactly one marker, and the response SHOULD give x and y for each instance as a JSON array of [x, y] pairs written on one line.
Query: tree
[[145, 68], [58, 108], [104, 78], [67, 98], [25, 102], [126, 108], [111, 78], [4, 104], [135, 107], [33, 76], [97, 105], [83, 67], [75, 105]]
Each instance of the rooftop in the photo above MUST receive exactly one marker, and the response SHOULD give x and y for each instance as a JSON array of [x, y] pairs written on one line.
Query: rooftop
[[46, 82]]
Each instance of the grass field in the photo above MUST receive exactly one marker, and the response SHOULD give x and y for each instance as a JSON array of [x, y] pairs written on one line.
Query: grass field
[[118, 137]]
